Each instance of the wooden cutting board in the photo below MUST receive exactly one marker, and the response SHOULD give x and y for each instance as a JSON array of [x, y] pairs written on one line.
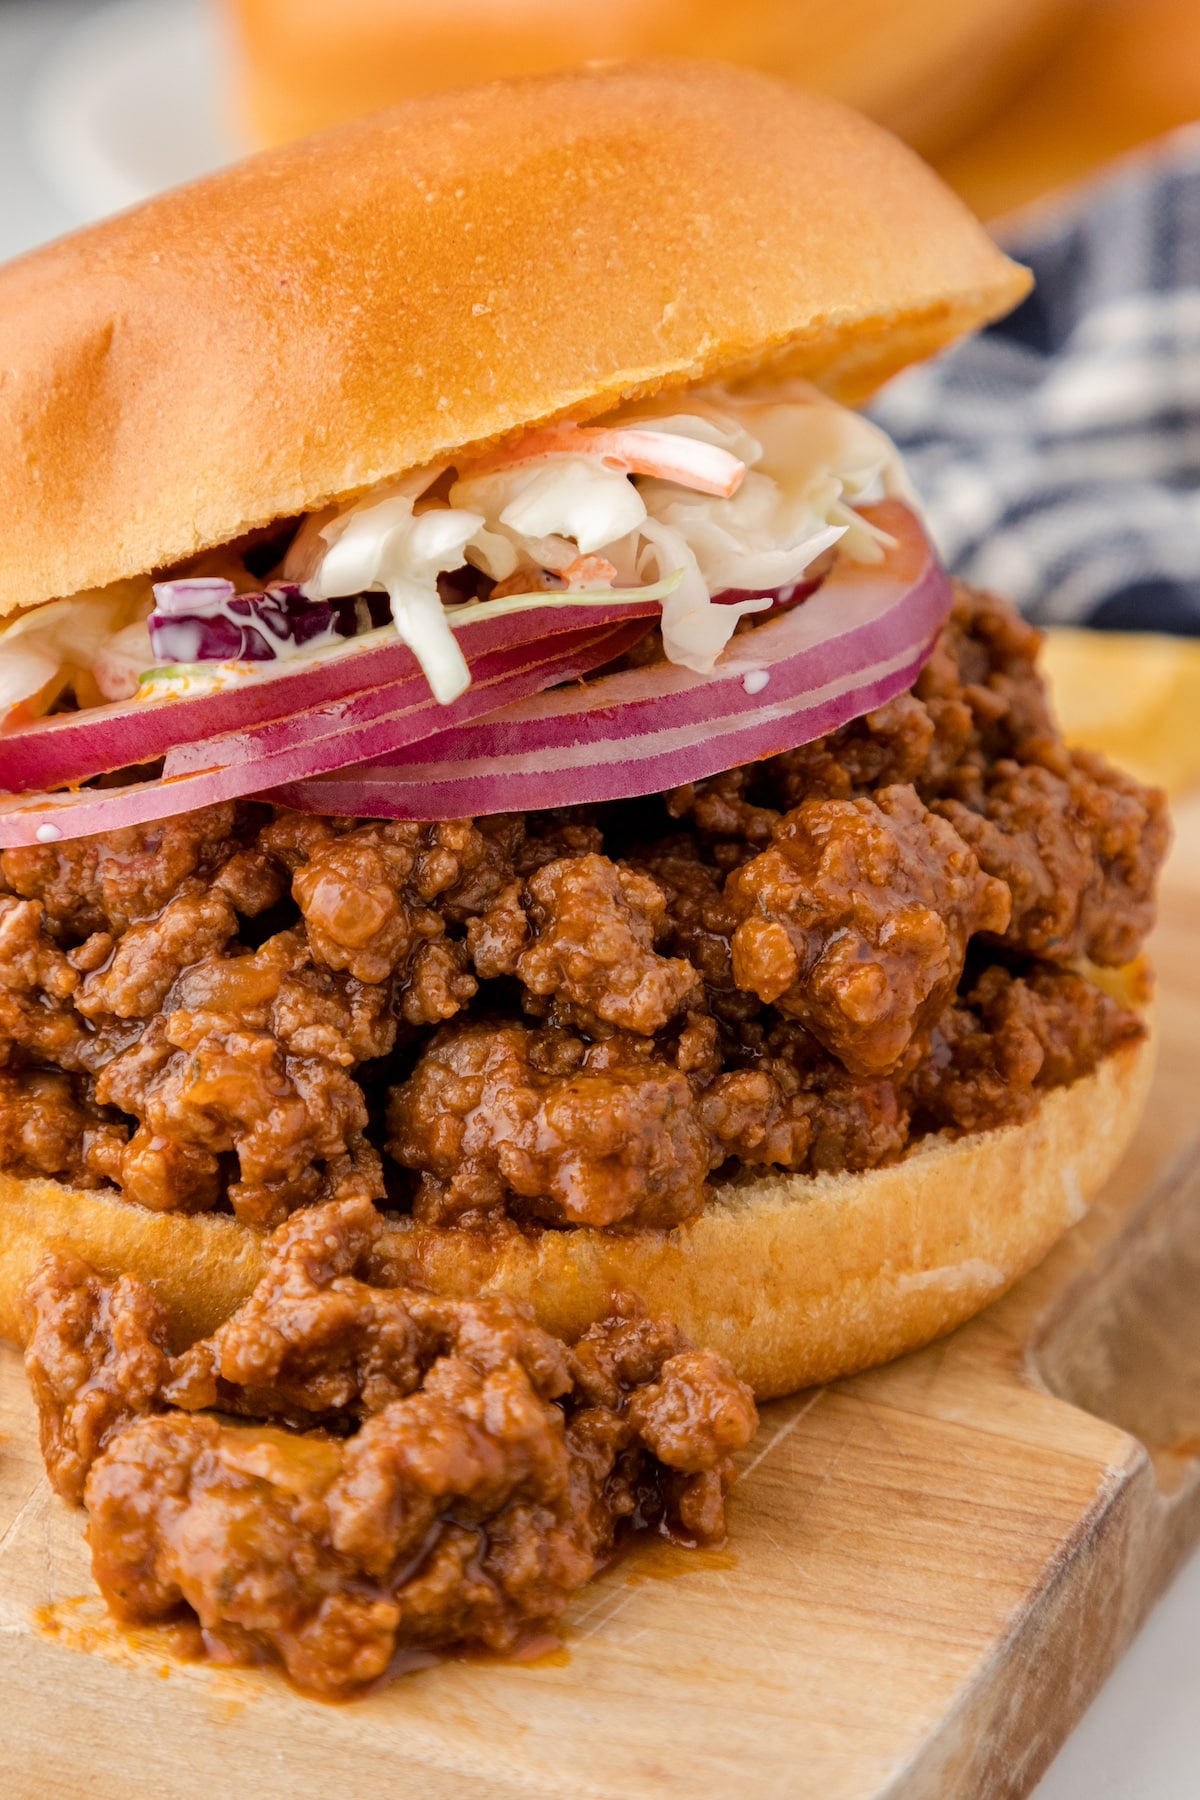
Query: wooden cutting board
[[932, 1567]]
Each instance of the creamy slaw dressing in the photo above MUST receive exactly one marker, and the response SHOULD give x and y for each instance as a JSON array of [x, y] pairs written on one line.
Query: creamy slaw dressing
[[694, 494], [95, 643]]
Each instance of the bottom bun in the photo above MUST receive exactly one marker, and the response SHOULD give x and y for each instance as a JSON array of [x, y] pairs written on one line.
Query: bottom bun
[[796, 1279]]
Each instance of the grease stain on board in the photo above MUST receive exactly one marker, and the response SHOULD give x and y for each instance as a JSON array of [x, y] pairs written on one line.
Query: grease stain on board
[[662, 1561], [82, 1623]]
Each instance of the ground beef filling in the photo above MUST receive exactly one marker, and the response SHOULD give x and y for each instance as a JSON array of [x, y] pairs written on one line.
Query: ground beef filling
[[584, 1018], [421, 1473]]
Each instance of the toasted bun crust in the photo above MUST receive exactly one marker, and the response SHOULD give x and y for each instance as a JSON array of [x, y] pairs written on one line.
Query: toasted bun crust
[[325, 316], [795, 1279]]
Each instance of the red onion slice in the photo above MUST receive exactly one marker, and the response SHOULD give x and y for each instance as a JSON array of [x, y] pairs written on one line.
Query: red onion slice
[[351, 730], [860, 640], [74, 747]]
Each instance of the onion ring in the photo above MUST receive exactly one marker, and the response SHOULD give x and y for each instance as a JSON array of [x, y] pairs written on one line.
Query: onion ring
[[290, 753], [74, 747], [859, 640]]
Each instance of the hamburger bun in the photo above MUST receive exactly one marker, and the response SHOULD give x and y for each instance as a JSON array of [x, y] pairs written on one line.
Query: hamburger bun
[[795, 1279], [930, 70], [326, 316], [331, 315]]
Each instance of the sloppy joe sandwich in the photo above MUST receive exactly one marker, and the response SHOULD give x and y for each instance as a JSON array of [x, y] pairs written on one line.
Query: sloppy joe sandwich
[[490, 749]]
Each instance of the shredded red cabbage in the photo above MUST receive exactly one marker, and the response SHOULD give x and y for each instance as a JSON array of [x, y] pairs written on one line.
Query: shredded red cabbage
[[207, 620]]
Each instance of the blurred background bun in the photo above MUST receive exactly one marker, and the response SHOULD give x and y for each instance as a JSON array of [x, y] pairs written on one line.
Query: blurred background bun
[[930, 70], [1010, 99]]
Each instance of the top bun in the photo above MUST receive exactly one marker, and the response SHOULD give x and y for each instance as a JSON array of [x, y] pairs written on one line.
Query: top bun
[[322, 317]]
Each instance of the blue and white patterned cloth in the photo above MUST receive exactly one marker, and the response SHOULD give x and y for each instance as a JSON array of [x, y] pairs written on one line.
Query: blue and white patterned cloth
[[1058, 453]]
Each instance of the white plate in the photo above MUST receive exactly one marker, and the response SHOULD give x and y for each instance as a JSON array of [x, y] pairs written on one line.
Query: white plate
[[133, 99]]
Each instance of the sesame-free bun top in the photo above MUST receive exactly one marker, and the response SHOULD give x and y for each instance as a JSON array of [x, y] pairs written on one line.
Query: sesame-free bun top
[[327, 315]]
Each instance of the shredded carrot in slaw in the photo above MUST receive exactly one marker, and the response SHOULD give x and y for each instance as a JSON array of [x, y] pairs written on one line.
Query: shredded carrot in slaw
[[628, 450]]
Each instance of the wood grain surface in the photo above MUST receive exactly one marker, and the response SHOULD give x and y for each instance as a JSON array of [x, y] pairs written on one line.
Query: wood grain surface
[[931, 1569]]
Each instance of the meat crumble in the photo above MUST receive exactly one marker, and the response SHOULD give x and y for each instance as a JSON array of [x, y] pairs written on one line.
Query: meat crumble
[[586, 1017], [419, 1473]]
